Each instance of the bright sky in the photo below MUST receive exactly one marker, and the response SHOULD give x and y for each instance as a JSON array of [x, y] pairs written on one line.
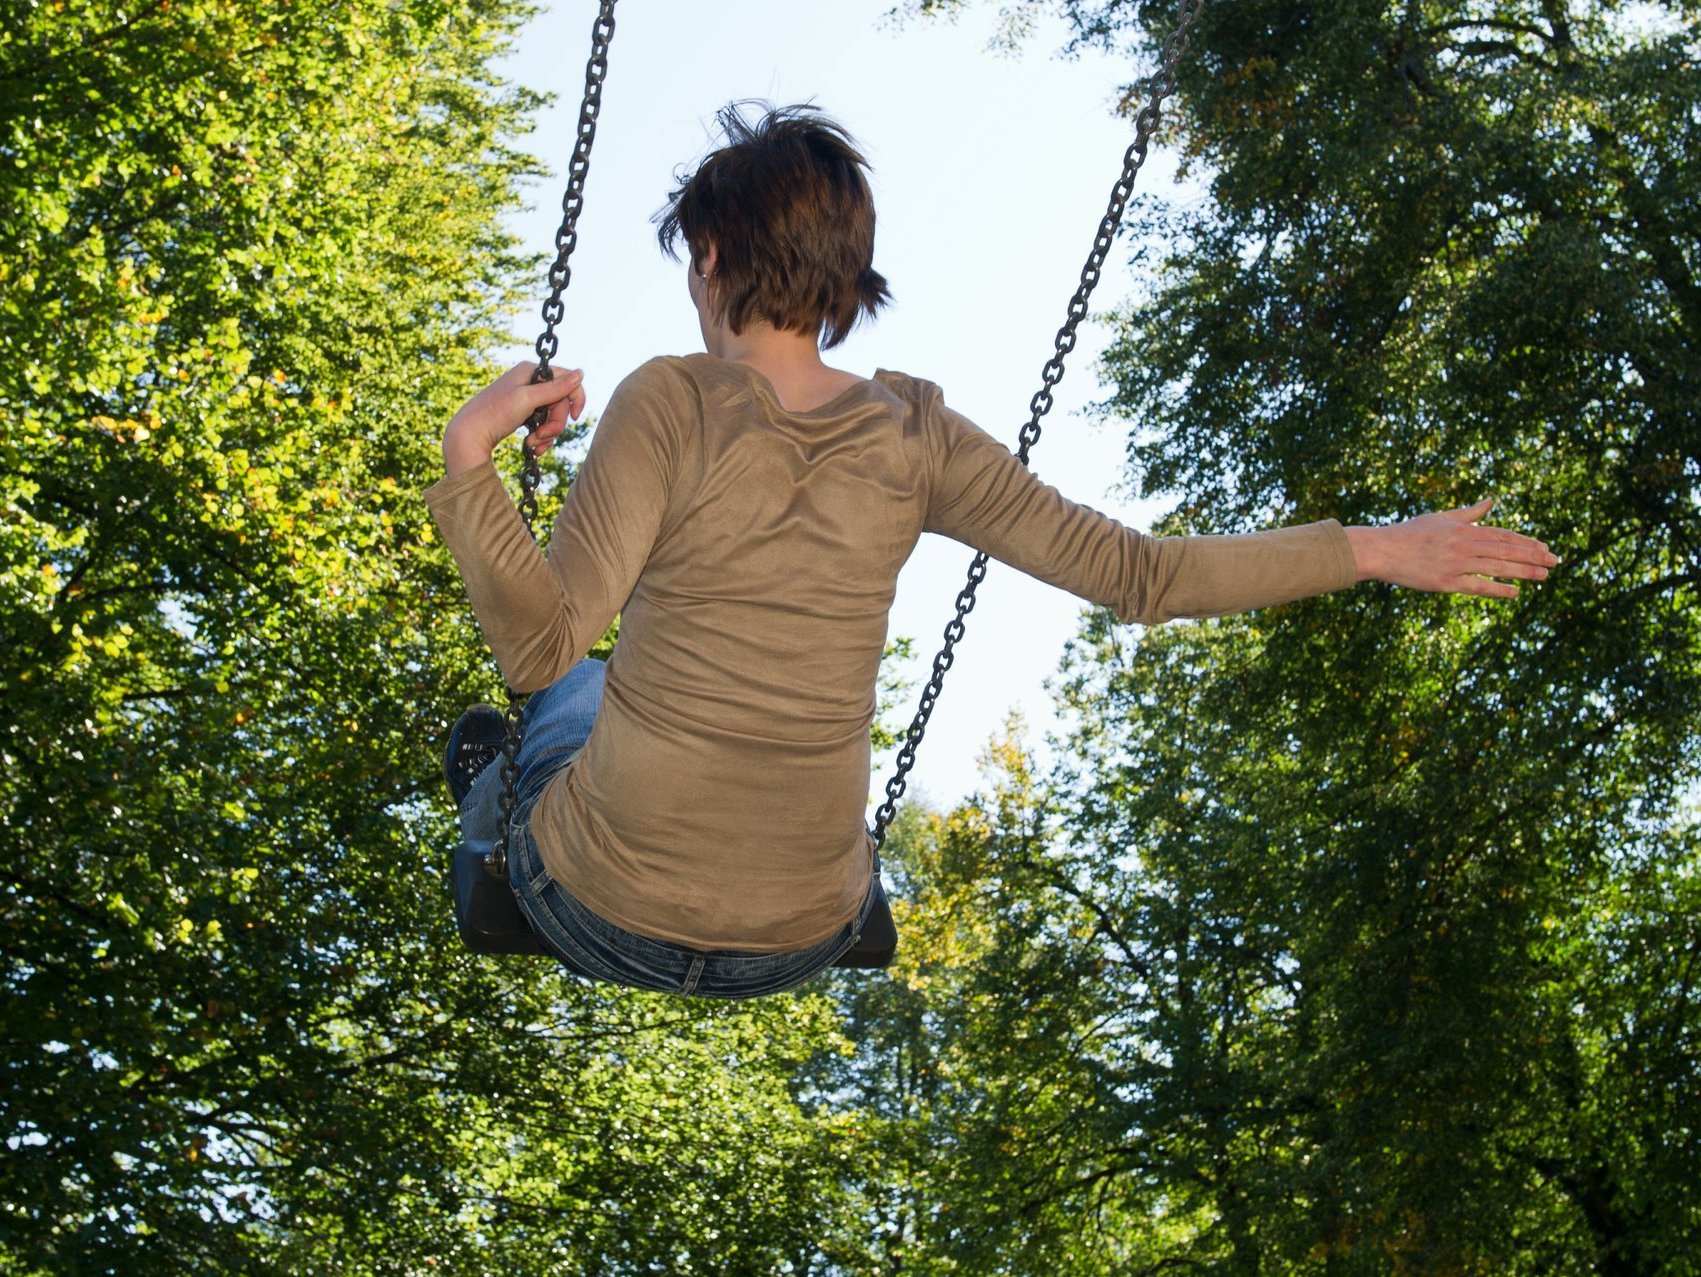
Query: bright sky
[[991, 172]]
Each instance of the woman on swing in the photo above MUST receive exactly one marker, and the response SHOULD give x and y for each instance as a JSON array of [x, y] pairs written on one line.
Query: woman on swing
[[691, 818]]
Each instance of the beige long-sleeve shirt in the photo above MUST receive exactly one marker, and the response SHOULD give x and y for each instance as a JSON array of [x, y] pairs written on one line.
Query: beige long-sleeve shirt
[[752, 554]]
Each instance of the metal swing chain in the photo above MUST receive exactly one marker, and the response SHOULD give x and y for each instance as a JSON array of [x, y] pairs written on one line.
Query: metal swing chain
[[1159, 87], [560, 274]]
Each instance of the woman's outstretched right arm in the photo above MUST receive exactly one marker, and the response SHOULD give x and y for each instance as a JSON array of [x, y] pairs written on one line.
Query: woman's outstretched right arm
[[982, 495]]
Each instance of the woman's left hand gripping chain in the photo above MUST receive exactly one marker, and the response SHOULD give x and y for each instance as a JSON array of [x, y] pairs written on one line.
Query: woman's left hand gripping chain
[[505, 405]]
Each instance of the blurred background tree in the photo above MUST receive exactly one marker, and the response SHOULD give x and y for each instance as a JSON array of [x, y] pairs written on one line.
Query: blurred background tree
[[1353, 937], [252, 259], [1388, 903]]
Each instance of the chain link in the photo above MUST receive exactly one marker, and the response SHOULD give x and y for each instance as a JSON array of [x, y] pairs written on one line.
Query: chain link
[[560, 275], [1159, 87]]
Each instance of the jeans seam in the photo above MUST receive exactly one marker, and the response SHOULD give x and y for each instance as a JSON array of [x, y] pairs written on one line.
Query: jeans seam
[[542, 917], [692, 976], [559, 938]]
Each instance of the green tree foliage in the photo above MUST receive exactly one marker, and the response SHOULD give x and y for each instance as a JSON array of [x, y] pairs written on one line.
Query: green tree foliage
[[985, 1085], [250, 263], [895, 1091], [1354, 937], [1384, 905]]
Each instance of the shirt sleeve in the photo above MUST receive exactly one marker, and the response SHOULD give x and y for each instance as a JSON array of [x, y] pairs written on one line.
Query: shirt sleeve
[[540, 612], [983, 496]]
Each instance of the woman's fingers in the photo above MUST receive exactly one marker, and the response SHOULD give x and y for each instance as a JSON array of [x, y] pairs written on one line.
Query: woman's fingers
[[1512, 545], [1451, 552], [565, 384], [542, 438], [512, 400], [1469, 513], [1484, 586], [1521, 569], [1488, 552], [1503, 554], [1501, 545], [1507, 543], [563, 395]]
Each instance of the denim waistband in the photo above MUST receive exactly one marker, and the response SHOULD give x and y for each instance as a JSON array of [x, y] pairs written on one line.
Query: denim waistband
[[592, 946]]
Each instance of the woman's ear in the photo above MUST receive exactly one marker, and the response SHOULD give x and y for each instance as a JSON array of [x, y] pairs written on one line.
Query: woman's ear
[[705, 262]]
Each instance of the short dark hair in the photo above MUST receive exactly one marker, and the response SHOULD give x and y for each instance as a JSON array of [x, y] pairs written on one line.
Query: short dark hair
[[786, 203]]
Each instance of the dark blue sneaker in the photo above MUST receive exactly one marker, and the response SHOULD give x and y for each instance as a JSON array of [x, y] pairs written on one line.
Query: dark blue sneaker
[[474, 743]]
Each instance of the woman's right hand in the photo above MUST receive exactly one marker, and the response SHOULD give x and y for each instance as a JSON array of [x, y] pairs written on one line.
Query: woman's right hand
[[1447, 552]]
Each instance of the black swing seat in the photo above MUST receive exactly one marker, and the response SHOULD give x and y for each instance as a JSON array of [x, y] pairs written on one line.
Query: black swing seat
[[490, 921], [486, 913]]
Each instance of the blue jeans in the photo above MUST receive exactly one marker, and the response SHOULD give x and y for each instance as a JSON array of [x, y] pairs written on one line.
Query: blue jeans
[[557, 724]]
